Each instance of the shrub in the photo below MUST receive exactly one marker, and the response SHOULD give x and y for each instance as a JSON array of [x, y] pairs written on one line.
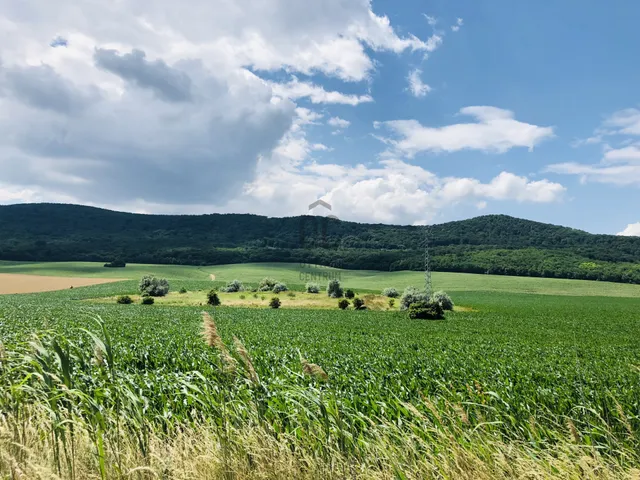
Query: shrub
[[390, 292], [115, 264], [233, 287], [280, 287], [426, 311], [124, 300], [242, 297], [334, 290], [349, 293], [443, 300], [291, 295], [358, 304], [266, 284], [213, 299], [312, 287], [147, 300], [262, 297], [255, 295], [343, 304], [155, 287], [275, 302], [412, 295], [183, 290], [392, 302]]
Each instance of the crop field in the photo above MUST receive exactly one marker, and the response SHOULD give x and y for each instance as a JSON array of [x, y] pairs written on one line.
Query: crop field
[[297, 274], [518, 385]]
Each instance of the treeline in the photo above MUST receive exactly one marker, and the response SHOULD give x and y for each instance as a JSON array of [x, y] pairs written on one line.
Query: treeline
[[495, 244]]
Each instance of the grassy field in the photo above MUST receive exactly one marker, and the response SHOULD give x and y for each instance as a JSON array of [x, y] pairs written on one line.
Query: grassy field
[[519, 385], [296, 274]]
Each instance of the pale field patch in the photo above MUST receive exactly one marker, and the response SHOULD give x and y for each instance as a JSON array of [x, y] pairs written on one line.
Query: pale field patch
[[19, 283]]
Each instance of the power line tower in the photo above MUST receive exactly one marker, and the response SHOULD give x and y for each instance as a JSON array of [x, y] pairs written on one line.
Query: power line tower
[[428, 287]]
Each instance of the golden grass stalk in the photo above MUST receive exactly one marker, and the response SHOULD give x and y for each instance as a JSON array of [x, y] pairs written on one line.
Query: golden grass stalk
[[246, 360], [213, 339], [313, 370]]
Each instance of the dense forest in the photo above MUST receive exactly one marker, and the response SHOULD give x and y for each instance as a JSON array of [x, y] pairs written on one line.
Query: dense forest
[[496, 244]]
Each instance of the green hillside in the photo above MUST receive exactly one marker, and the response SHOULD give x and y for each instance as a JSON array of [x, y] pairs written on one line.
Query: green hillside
[[495, 244]]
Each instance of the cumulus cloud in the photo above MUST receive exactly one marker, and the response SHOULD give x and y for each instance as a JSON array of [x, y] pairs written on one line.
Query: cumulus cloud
[[455, 27], [632, 230], [155, 104], [393, 191], [495, 130], [619, 165], [166, 82], [316, 94], [416, 86]]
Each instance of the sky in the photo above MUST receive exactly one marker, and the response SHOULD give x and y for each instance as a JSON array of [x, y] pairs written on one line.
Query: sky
[[406, 112]]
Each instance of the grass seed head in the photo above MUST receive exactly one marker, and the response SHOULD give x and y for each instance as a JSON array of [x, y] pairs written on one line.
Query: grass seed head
[[246, 360]]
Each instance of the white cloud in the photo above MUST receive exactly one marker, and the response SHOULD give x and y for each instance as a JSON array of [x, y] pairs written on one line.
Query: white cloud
[[632, 230], [431, 20], [416, 87], [151, 103], [619, 165], [496, 130], [457, 25], [339, 122], [391, 192], [296, 89]]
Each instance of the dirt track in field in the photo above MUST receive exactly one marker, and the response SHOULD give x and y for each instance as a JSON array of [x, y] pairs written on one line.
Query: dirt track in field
[[18, 283]]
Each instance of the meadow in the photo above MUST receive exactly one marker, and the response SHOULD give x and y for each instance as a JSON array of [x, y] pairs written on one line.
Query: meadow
[[520, 385]]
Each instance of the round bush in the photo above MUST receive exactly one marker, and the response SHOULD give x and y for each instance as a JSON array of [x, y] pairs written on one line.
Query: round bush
[[275, 302], [390, 292], [412, 295], [147, 300], [183, 290], [124, 300], [153, 286], [312, 287], [349, 293], [343, 304], [280, 287], [266, 284], [334, 290], [426, 311], [213, 299], [443, 300], [358, 304], [392, 302], [233, 287]]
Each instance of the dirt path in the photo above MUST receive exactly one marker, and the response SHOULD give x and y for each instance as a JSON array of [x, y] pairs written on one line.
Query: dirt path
[[212, 276], [18, 283]]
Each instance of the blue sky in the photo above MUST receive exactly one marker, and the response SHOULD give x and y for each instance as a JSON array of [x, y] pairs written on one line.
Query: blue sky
[[394, 112]]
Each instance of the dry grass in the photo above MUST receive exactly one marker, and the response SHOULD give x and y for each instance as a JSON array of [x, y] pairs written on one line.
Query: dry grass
[[197, 453], [18, 283]]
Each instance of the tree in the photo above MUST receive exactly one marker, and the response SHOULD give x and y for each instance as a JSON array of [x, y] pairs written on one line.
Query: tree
[[266, 284], [147, 300], [312, 287], [349, 293], [443, 300], [343, 304], [334, 290], [155, 287], [280, 287], [412, 295], [233, 287], [390, 292], [213, 299], [124, 300], [426, 311], [358, 304], [275, 302]]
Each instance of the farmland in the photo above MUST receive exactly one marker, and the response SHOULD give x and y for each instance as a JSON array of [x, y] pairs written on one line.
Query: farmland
[[544, 383]]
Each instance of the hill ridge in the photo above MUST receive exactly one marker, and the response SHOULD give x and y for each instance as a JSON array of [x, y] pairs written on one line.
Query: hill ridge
[[485, 244]]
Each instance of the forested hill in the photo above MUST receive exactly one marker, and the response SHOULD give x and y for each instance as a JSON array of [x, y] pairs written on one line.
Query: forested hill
[[489, 244]]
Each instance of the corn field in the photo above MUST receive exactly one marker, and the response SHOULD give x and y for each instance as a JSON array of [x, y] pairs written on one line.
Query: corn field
[[519, 386]]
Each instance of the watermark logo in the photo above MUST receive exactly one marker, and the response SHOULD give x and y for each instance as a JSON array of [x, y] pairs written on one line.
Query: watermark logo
[[313, 235]]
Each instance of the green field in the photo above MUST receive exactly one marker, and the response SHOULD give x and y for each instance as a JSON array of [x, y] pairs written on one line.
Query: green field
[[523, 386], [296, 274]]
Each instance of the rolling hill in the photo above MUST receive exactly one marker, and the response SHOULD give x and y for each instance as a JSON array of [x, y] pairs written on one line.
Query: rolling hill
[[496, 244]]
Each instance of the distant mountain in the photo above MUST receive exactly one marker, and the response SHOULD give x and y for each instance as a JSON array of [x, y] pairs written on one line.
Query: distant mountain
[[496, 244]]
